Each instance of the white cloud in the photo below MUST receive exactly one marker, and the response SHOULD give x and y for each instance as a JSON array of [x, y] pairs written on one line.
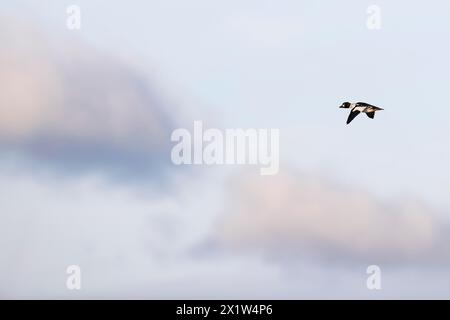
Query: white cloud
[[31, 87], [298, 215], [67, 104]]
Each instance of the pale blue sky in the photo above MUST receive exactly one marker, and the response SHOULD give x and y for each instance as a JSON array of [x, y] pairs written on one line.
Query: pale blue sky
[[261, 64], [289, 64]]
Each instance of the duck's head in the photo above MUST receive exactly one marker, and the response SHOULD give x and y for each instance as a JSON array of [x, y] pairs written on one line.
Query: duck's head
[[345, 105]]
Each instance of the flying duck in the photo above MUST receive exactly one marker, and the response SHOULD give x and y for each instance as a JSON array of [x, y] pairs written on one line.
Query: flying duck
[[357, 108]]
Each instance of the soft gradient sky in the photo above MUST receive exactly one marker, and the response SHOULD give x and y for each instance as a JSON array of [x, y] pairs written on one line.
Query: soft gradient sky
[[85, 170]]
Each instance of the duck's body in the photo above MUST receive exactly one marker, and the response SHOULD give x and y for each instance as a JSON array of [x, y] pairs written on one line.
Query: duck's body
[[357, 108]]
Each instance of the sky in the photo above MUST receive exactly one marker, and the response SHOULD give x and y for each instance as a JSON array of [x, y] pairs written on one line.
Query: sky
[[86, 176]]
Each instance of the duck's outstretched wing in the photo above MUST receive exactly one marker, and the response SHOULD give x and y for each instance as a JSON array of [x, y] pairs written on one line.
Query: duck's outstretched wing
[[363, 104], [352, 115]]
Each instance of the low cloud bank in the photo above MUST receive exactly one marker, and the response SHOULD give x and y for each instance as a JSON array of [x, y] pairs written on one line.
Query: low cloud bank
[[293, 215]]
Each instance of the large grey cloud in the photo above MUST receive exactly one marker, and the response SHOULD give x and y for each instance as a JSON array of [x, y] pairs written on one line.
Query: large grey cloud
[[293, 215], [69, 105]]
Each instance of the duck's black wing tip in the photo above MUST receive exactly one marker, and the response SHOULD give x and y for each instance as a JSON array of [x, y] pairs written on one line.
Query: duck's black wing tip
[[352, 116], [371, 115]]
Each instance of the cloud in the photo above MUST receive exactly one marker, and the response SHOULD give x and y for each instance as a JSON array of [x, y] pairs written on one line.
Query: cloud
[[294, 215], [134, 242], [112, 231], [69, 105]]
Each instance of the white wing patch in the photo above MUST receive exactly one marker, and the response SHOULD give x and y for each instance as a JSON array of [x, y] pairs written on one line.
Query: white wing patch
[[360, 109]]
